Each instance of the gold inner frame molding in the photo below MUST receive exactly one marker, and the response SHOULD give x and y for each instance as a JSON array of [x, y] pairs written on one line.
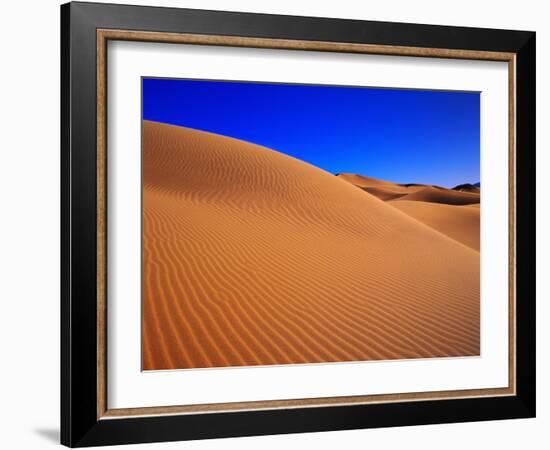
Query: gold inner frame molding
[[103, 36]]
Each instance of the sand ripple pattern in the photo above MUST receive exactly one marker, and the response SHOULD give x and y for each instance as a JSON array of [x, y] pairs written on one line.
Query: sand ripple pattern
[[251, 257]]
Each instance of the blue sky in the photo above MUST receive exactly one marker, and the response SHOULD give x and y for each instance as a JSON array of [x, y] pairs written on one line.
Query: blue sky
[[406, 136]]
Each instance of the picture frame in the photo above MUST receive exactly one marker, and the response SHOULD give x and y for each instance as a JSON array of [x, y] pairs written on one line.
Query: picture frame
[[86, 30]]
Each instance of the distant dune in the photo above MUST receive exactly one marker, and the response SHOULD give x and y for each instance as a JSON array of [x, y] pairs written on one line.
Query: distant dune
[[440, 208], [251, 257], [385, 194], [458, 222], [440, 195]]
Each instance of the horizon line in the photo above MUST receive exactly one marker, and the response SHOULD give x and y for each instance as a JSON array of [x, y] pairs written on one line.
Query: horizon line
[[328, 171]]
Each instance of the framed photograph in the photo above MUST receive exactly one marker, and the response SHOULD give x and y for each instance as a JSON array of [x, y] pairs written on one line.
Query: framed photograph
[[277, 224]]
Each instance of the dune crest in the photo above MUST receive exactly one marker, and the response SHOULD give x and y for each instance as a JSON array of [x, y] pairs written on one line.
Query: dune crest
[[384, 190], [440, 208], [251, 257]]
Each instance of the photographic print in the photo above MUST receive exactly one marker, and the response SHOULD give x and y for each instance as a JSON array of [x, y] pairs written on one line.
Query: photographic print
[[273, 224], [301, 224]]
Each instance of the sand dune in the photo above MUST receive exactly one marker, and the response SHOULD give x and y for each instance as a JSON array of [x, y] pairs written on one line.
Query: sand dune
[[384, 190], [384, 194], [440, 208], [251, 257], [458, 222], [440, 195]]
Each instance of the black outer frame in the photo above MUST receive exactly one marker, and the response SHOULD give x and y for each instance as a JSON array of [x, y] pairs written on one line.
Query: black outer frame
[[79, 423]]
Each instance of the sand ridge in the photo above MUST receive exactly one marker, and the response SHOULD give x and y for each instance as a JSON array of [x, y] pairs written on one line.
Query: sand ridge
[[440, 208], [446, 196], [251, 257]]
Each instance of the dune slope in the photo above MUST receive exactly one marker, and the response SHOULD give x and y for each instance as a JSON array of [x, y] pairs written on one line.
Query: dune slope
[[458, 222], [363, 181], [384, 190], [384, 194], [251, 257]]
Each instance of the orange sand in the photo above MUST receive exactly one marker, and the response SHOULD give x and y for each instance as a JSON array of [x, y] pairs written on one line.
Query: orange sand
[[458, 222], [441, 195], [251, 257]]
